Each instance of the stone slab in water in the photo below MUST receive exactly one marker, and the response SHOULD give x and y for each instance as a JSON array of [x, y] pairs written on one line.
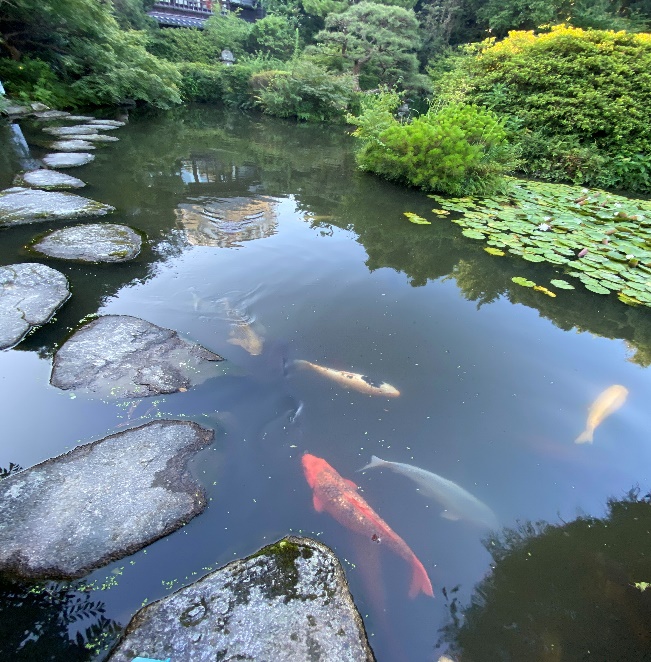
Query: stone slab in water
[[25, 205], [288, 603], [30, 294], [73, 145], [100, 502], [67, 159], [127, 357], [16, 110], [47, 115], [77, 129], [95, 138], [97, 242], [105, 124], [48, 180]]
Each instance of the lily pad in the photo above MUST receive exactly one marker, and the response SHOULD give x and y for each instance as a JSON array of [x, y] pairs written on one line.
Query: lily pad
[[473, 234], [520, 280], [494, 251], [561, 284], [415, 218], [544, 290]]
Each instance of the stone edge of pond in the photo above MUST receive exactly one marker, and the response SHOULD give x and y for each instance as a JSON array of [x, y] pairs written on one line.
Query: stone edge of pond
[[174, 477], [290, 575]]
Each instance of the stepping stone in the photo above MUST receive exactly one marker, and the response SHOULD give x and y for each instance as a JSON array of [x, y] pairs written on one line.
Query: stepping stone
[[76, 130], [30, 294], [67, 159], [16, 110], [115, 124], [100, 502], [74, 145], [48, 180], [288, 603], [25, 205], [96, 242], [118, 356], [47, 115], [95, 138]]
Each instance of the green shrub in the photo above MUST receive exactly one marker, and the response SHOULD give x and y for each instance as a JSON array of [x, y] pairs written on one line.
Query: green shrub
[[308, 93], [202, 82], [459, 149], [33, 80]]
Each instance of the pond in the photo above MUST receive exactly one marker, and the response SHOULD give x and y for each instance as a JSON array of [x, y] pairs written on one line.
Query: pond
[[267, 246]]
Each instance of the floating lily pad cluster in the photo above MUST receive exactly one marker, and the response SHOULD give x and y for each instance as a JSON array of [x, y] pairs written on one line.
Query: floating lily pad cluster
[[600, 238]]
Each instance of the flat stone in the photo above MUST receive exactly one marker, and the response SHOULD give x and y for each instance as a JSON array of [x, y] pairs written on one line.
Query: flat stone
[[26, 205], [52, 115], [288, 603], [67, 159], [100, 502], [76, 130], [104, 124], [39, 107], [126, 357], [30, 294], [97, 242], [48, 180], [72, 145], [95, 138], [16, 110]]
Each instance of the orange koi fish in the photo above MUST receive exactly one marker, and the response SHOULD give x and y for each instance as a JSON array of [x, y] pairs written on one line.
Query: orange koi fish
[[339, 497]]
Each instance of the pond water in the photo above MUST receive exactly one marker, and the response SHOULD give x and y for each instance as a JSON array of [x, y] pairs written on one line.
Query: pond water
[[255, 225]]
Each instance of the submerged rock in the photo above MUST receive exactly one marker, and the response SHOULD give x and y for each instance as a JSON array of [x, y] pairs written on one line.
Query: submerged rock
[[73, 145], [67, 159], [287, 603], [30, 294], [97, 242], [25, 205], [77, 129], [48, 180], [126, 357], [100, 502]]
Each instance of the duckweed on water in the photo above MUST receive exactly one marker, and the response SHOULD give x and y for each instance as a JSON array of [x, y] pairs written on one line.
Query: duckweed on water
[[554, 223]]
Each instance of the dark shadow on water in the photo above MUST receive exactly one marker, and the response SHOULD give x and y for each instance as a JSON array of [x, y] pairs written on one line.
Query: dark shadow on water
[[562, 591]]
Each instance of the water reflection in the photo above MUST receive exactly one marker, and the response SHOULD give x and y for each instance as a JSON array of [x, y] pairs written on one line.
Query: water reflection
[[568, 591], [227, 222]]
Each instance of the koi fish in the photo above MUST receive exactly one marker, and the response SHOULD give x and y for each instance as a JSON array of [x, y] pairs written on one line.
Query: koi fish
[[360, 383], [339, 497], [457, 502], [245, 336], [607, 402]]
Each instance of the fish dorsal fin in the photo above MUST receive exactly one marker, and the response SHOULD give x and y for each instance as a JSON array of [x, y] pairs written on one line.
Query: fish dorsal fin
[[447, 514], [319, 506], [350, 484]]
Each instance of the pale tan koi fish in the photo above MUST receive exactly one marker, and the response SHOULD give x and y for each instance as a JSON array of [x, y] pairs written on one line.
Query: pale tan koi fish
[[245, 336], [607, 402], [351, 380]]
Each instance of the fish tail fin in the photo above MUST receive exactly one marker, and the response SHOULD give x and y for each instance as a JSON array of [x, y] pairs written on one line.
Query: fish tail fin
[[585, 437], [419, 580], [375, 462]]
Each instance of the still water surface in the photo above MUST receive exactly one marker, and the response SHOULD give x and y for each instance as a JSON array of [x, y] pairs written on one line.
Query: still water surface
[[258, 222]]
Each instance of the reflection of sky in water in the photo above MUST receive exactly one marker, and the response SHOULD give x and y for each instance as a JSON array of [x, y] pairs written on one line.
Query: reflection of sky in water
[[492, 397]]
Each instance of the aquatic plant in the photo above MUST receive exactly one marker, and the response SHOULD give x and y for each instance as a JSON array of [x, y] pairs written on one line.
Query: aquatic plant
[[602, 239]]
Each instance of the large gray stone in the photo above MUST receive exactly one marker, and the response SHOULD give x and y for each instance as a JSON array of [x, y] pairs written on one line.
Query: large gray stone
[[30, 294], [97, 242], [77, 129], [101, 501], [48, 115], [106, 125], [75, 144], [95, 138], [48, 180], [26, 205], [126, 357], [288, 603], [67, 159]]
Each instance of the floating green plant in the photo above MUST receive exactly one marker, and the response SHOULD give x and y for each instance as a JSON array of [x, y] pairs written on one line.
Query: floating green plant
[[519, 280], [602, 239], [415, 218]]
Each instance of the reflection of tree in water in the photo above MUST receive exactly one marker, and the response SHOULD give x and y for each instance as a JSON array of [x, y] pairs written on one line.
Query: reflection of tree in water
[[563, 592], [51, 621]]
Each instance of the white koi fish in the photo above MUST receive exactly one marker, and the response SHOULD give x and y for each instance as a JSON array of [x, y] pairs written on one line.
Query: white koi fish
[[351, 380], [607, 402], [457, 503]]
